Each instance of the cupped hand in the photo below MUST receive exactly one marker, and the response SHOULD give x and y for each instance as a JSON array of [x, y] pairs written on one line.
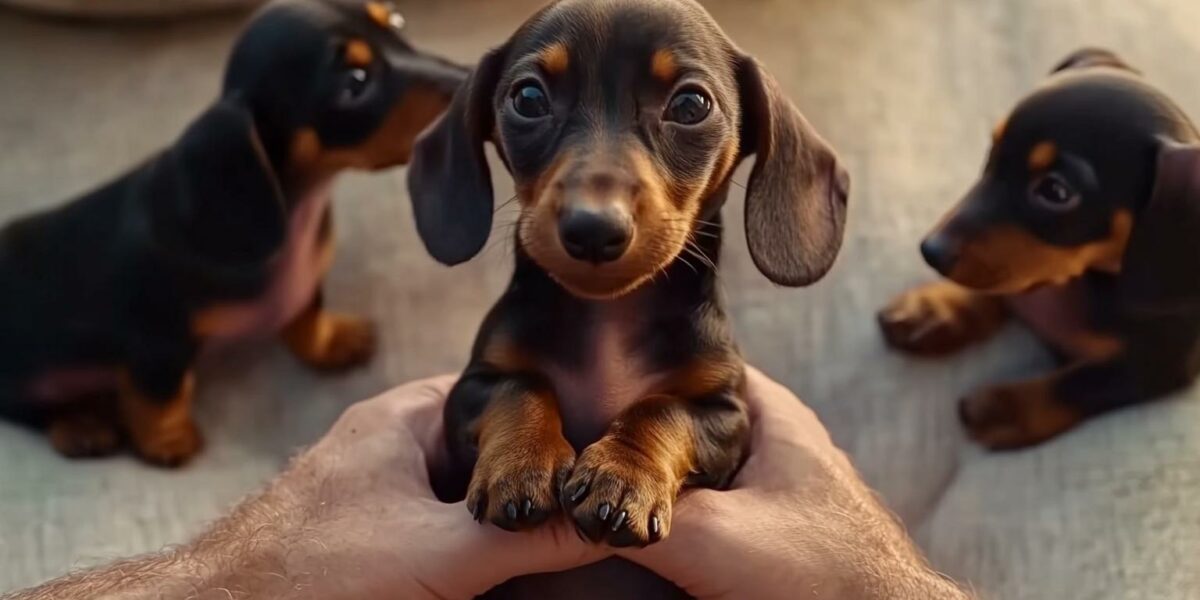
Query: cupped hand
[[362, 499], [798, 522]]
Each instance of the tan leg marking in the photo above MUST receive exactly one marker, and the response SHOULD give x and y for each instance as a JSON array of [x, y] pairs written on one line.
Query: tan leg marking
[[1017, 415], [330, 341], [940, 318], [162, 430], [523, 460]]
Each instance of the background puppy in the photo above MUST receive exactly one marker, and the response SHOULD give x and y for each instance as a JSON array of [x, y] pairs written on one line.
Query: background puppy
[[224, 235], [621, 123], [1084, 225]]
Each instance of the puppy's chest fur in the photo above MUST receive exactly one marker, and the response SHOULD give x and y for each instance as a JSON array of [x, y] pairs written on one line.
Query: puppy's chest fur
[[294, 276], [612, 370]]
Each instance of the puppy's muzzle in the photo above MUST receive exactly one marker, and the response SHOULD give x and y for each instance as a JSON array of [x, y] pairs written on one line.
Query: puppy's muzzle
[[595, 224], [595, 234], [942, 251]]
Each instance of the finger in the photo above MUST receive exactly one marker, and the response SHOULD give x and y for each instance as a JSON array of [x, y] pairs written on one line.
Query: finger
[[691, 555], [496, 555]]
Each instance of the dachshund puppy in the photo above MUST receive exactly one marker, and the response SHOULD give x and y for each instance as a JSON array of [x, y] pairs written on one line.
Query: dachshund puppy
[[105, 302], [1084, 225], [605, 379]]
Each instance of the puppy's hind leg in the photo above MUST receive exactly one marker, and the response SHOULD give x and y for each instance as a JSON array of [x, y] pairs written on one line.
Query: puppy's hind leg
[[1022, 414], [329, 341], [84, 433], [156, 409], [941, 318]]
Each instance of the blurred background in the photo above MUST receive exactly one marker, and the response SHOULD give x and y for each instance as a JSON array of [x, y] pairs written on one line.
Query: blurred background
[[908, 92]]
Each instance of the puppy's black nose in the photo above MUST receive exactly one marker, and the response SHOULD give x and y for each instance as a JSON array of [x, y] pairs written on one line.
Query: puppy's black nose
[[941, 251], [596, 235]]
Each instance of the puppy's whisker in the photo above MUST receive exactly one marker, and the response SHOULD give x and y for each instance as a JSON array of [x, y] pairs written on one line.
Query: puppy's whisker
[[698, 253], [504, 204], [685, 261]]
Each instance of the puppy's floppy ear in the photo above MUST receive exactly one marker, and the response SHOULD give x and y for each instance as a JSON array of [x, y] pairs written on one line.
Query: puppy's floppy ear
[[227, 206], [796, 197], [1092, 57], [448, 179], [1161, 268]]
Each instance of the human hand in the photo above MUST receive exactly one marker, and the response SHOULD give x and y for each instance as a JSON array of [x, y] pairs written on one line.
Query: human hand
[[798, 522], [357, 518]]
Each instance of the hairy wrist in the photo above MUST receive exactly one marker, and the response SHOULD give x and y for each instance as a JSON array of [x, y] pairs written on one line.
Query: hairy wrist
[[878, 559]]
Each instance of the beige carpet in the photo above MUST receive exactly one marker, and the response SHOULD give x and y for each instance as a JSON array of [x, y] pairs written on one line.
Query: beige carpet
[[908, 90]]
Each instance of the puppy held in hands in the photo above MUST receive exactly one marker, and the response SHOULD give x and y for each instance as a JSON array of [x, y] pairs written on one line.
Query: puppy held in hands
[[226, 234], [1085, 226], [605, 379]]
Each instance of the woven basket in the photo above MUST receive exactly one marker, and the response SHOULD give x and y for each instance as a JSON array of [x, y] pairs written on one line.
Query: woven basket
[[122, 9]]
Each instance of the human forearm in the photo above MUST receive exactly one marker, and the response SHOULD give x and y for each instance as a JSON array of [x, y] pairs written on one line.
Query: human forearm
[[257, 552], [882, 563]]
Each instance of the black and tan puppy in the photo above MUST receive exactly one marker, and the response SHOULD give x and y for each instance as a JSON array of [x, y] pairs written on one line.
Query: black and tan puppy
[[605, 379], [1085, 225], [224, 235]]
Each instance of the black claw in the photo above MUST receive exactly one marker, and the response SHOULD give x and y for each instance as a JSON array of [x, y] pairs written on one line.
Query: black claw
[[620, 520], [579, 532], [527, 508], [580, 490], [603, 511], [477, 511], [654, 525], [510, 510]]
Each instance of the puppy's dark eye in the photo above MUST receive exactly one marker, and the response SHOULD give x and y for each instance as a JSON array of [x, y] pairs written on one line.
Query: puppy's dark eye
[[688, 107], [1053, 193], [530, 101], [354, 85]]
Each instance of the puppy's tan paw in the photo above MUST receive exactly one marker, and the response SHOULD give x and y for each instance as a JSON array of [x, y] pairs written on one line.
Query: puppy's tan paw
[[170, 447], [331, 341], [516, 480], [1015, 416], [619, 495], [939, 319]]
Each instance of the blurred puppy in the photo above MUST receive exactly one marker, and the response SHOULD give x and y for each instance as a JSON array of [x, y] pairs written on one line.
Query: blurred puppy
[[1084, 225], [224, 235]]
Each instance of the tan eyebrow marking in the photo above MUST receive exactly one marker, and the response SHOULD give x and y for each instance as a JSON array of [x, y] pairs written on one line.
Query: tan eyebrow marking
[[554, 58], [663, 65], [380, 13], [1042, 156], [358, 53]]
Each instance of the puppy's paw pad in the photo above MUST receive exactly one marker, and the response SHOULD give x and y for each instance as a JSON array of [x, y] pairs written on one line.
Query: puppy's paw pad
[[84, 437], [616, 495], [172, 447], [516, 488], [1014, 417]]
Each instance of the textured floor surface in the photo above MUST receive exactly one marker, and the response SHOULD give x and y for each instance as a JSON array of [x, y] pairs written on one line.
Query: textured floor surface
[[907, 90]]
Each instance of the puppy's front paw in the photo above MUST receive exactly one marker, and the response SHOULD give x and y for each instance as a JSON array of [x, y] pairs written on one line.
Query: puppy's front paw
[[939, 318], [516, 480], [331, 341], [169, 447], [1009, 417], [620, 495]]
